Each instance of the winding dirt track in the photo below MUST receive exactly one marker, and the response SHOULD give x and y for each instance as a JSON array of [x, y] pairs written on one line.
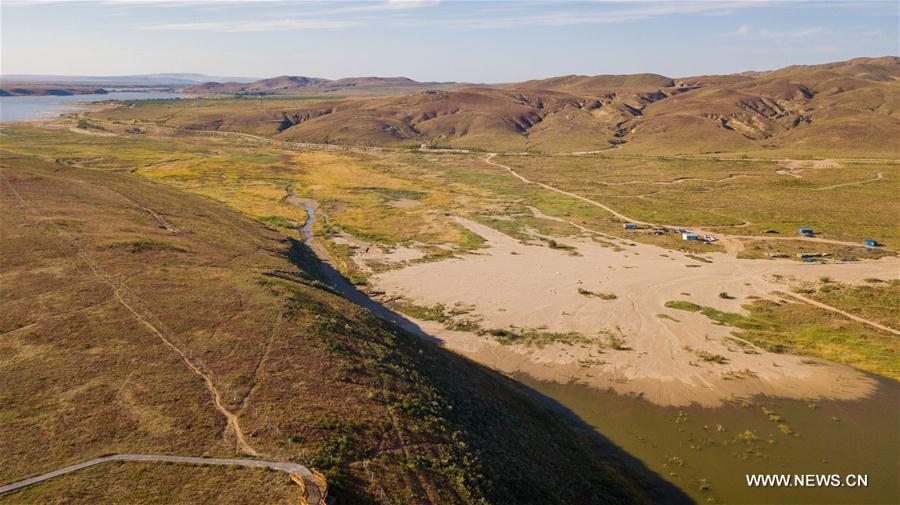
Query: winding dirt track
[[878, 176], [289, 468]]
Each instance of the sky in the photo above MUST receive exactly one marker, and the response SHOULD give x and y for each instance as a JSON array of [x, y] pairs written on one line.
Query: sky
[[482, 41]]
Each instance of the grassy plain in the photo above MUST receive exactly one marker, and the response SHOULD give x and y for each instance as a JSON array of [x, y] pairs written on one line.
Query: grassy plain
[[852, 202], [397, 197]]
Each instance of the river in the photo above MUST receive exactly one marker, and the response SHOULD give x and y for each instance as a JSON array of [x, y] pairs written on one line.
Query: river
[[24, 108]]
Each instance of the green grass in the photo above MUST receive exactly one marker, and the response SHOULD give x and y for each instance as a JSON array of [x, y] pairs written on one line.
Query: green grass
[[879, 302], [798, 328], [592, 294], [726, 193], [535, 337], [147, 245]]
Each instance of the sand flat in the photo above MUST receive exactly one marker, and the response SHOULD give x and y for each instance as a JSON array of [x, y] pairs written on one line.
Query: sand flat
[[532, 286]]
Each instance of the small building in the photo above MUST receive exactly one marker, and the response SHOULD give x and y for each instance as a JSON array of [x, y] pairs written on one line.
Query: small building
[[872, 243], [629, 226], [690, 236], [806, 231]]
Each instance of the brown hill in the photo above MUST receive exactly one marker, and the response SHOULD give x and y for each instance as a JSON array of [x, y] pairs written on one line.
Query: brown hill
[[139, 314], [847, 108], [599, 84]]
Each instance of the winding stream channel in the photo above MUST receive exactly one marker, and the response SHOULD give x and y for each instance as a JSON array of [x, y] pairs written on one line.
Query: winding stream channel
[[708, 452]]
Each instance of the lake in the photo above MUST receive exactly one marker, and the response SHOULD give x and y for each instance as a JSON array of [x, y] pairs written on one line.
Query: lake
[[24, 108], [708, 451]]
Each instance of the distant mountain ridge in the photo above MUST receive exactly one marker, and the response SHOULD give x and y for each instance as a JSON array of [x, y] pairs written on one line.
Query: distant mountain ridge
[[170, 79], [849, 108], [287, 84]]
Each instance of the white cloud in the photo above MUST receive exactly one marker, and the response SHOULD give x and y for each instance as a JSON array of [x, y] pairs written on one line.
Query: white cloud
[[399, 13], [748, 31], [339, 15], [590, 15], [256, 26]]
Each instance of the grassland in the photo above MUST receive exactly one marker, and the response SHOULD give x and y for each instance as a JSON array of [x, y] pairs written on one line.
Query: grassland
[[878, 301], [406, 197], [732, 196], [799, 328], [311, 377]]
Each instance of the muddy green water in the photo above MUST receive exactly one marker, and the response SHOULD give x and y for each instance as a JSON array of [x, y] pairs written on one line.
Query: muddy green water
[[708, 451]]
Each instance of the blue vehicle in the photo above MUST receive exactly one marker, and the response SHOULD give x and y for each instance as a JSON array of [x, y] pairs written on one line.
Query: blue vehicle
[[806, 231], [872, 243]]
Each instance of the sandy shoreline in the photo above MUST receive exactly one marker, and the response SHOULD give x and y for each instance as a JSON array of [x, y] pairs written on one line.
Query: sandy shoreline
[[533, 286]]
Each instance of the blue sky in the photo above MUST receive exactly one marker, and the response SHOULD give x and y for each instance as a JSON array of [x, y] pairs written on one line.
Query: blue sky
[[437, 40]]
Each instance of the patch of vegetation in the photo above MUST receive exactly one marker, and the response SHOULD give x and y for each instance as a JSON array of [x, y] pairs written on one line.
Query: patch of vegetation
[[799, 328], [451, 318], [553, 244], [710, 312], [615, 339], [279, 222], [396, 193], [710, 357], [879, 301], [592, 294], [148, 245], [535, 337], [425, 313], [683, 305], [84, 124]]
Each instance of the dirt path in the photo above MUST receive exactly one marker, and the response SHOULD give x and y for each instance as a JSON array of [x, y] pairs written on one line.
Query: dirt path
[[848, 315], [878, 176], [490, 161], [314, 496], [161, 221]]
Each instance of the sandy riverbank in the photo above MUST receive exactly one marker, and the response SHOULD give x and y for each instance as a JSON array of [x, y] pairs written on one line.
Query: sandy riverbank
[[533, 286]]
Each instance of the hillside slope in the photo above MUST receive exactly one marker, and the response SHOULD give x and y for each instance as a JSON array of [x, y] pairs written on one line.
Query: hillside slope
[[92, 261], [844, 109]]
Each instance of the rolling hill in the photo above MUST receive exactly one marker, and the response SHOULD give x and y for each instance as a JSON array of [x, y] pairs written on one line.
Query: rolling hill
[[141, 315], [839, 109]]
